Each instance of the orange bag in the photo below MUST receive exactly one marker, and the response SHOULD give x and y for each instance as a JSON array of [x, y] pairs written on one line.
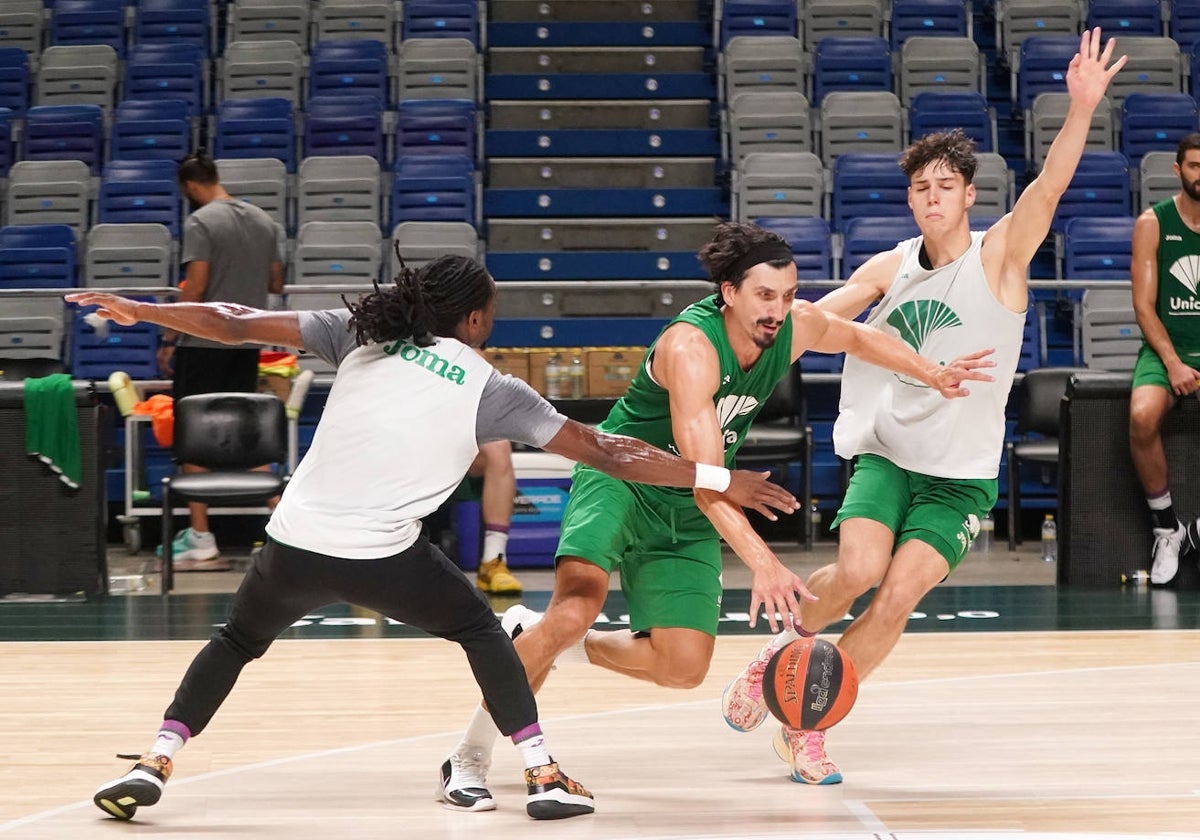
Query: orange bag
[[161, 409]]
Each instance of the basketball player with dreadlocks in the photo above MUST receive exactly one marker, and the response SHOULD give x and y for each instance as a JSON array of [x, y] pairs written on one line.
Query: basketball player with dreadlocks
[[411, 403]]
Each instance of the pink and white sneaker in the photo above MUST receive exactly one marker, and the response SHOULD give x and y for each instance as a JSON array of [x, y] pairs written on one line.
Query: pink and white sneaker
[[804, 750], [742, 703]]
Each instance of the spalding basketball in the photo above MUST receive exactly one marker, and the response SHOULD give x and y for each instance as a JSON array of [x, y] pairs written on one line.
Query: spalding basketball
[[810, 684]]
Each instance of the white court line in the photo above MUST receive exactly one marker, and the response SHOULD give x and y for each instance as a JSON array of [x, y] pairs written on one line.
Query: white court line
[[22, 821], [865, 815]]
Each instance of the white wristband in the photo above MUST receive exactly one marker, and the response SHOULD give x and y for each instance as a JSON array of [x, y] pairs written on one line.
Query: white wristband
[[709, 477]]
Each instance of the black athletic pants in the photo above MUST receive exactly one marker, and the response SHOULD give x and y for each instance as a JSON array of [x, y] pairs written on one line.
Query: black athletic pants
[[418, 586]]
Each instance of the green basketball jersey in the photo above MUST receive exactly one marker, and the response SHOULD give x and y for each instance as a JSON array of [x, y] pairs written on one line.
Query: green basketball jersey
[[644, 412], [1178, 277]]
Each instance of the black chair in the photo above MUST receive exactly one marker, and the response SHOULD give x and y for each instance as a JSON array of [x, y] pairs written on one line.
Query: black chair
[[780, 436], [229, 435], [1039, 394]]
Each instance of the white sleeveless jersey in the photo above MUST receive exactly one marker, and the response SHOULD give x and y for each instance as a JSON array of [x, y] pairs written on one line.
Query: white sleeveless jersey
[[942, 314], [383, 457]]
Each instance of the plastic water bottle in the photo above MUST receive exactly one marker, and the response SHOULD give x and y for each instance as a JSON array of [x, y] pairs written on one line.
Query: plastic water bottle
[[1049, 539], [987, 533], [814, 517], [1139, 578], [577, 376], [554, 378]]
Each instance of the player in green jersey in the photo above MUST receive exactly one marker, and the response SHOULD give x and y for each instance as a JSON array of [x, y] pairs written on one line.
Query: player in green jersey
[[697, 392], [1165, 272]]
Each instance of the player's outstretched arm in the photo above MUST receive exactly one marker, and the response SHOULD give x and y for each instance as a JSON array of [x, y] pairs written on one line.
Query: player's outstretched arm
[[887, 351], [229, 323], [630, 459]]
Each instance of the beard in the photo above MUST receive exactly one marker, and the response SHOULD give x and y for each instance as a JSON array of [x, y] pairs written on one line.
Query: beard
[[766, 341], [1191, 189]]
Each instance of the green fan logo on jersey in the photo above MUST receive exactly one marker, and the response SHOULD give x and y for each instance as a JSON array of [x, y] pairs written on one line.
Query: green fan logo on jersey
[[916, 320]]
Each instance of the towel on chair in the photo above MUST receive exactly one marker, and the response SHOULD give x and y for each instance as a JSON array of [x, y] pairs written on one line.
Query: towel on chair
[[52, 426]]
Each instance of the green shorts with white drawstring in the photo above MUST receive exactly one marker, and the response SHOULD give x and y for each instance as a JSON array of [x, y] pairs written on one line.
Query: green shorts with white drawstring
[[667, 551]]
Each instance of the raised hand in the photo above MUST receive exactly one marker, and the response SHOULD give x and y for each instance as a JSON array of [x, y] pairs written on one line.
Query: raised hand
[[1089, 73], [949, 378], [752, 490]]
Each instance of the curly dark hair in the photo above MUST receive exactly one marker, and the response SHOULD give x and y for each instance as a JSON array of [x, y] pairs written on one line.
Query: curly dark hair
[[954, 148], [425, 302], [730, 242]]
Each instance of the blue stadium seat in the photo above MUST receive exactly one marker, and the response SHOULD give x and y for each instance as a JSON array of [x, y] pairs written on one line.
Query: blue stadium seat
[[14, 79], [868, 184], [96, 355], [809, 238], [1043, 66], [1125, 17], [173, 22], [851, 64], [6, 140], [134, 191], [1097, 248], [1100, 188], [256, 128], [167, 71], [934, 111], [345, 124], [433, 188], [435, 126], [89, 22], [1152, 122], [757, 17], [37, 257], [65, 132], [1184, 28], [1031, 338], [441, 19], [866, 236], [349, 66], [154, 129], [928, 17]]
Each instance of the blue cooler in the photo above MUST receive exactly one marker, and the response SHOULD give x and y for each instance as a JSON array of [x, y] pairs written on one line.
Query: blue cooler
[[543, 487]]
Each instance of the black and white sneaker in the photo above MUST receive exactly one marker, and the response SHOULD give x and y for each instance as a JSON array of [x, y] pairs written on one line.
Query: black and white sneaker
[[141, 786], [555, 796], [462, 783]]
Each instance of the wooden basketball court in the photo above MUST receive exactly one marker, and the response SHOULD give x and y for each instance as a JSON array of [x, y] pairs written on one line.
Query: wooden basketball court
[[960, 735]]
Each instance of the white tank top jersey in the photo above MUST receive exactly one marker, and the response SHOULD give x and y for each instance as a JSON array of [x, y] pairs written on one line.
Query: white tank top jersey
[[399, 430], [942, 314]]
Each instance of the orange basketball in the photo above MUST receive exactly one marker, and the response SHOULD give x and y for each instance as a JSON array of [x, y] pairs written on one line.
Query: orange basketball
[[810, 684]]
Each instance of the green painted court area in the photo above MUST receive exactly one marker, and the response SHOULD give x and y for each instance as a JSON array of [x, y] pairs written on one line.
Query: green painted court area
[[976, 609]]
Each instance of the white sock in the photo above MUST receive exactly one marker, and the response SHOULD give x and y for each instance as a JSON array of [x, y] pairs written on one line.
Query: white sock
[[788, 635], [578, 651], [495, 543], [481, 733], [167, 743], [533, 751]]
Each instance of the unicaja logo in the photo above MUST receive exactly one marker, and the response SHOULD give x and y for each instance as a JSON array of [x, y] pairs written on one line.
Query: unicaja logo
[[1187, 271], [734, 405]]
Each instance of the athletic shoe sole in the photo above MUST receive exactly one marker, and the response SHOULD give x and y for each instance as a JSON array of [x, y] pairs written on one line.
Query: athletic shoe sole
[[123, 798], [556, 803], [784, 750]]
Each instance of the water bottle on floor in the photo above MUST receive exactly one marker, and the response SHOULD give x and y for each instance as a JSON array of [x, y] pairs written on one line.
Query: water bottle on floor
[[1049, 539]]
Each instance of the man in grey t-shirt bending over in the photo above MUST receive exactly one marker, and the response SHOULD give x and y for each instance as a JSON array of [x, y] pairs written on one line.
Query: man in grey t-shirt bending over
[[410, 404]]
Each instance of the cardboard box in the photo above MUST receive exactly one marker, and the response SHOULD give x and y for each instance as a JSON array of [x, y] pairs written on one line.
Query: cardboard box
[[273, 383], [611, 369], [513, 361]]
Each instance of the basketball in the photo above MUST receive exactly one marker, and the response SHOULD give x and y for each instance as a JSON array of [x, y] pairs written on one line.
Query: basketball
[[810, 684]]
